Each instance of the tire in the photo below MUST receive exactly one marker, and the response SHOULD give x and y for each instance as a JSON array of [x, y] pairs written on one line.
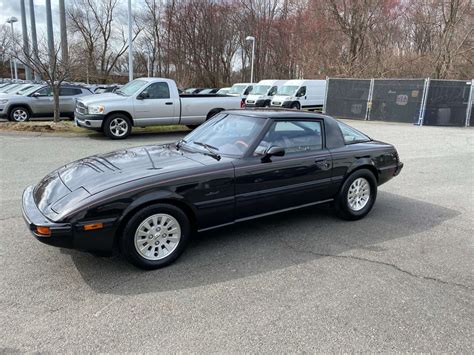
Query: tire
[[19, 114], [192, 126], [295, 106], [357, 195], [153, 248], [117, 126]]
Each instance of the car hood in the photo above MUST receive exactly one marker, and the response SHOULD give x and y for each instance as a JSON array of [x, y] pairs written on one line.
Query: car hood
[[281, 98], [83, 178], [99, 99]]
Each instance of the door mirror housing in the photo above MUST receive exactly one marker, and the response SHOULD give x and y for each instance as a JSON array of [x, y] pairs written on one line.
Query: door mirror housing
[[35, 94], [273, 151], [142, 96]]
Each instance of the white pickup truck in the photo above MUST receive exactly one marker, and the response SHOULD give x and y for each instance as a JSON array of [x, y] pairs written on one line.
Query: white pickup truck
[[148, 102]]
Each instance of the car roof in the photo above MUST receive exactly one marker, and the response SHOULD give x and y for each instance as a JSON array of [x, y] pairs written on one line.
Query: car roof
[[277, 113]]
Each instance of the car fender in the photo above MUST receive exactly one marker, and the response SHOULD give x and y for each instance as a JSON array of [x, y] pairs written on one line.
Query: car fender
[[361, 163], [16, 104]]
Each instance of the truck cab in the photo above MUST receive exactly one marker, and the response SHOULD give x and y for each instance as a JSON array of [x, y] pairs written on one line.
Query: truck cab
[[301, 94], [262, 93]]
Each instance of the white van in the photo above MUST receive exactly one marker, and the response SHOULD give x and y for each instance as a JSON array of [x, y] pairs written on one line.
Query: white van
[[298, 94], [262, 93], [240, 89]]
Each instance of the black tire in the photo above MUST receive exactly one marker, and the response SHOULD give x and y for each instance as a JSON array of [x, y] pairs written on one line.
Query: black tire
[[343, 206], [19, 114], [117, 126], [295, 106], [127, 240], [192, 126]]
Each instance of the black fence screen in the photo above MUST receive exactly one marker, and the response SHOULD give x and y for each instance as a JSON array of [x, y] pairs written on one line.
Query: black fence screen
[[347, 98], [447, 102], [471, 120], [397, 100]]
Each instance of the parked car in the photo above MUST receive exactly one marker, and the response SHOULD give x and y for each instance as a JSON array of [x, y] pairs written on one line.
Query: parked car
[[39, 103], [105, 89], [147, 102], [262, 93], [148, 201], [192, 90], [208, 91], [17, 89], [299, 94], [10, 87], [223, 91], [240, 89]]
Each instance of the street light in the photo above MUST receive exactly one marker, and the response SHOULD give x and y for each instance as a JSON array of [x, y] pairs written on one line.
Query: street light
[[11, 21], [251, 38]]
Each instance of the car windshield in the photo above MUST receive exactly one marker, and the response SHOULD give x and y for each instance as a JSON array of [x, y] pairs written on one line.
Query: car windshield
[[260, 89], [225, 134], [29, 90], [131, 88], [237, 89], [287, 90]]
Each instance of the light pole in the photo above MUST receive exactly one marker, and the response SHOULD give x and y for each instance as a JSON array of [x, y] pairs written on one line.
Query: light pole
[[251, 38], [11, 21], [130, 49]]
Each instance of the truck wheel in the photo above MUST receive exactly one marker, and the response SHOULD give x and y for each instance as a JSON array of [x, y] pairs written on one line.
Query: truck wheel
[[19, 114], [295, 105], [117, 126]]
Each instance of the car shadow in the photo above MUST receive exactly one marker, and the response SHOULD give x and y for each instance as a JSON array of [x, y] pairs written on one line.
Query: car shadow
[[264, 245], [144, 135]]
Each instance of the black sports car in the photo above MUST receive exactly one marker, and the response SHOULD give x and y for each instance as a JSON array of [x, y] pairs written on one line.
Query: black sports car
[[148, 201]]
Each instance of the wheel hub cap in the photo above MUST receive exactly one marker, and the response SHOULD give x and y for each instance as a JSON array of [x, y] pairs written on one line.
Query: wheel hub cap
[[118, 127], [157, 236], [359, 194]]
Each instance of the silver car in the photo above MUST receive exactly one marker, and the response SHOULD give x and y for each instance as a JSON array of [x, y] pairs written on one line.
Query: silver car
[[38, 102]]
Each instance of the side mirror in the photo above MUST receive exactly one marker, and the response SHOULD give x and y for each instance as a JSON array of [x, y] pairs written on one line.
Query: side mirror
[[142, 96], [35, 94], [273, 151]]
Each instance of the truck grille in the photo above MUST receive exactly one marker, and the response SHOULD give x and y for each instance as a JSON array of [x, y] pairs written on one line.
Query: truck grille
[[250, 101], [81, 108], [276, 103]]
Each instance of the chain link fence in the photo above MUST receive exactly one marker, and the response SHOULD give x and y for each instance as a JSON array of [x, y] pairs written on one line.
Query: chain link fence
[[417, 101]]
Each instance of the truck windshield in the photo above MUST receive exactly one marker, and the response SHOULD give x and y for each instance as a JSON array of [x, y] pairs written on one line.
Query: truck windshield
[[225, 134], [237, 89], [131, 88], [260, 90], [287, 90]]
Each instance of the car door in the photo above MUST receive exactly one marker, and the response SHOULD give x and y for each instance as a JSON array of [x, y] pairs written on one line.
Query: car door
[[154, 105], [67, 99], [42, 101], [302, 176]]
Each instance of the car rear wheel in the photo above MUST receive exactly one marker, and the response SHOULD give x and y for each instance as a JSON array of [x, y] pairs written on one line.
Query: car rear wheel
[[155, 236], [19, 114], [295, 105], [357, 195], [117, 126]]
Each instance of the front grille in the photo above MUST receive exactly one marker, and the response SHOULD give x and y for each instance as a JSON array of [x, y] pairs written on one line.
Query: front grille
[[276, 103], [250, 101], [81, 108]]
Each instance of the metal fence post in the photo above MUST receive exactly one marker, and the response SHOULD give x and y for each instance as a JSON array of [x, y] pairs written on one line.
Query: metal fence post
[[369, 100], [326, 95], [426, 88], [470, 102]]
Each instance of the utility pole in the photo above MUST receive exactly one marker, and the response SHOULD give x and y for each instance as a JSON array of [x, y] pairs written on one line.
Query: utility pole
[[130, 49], [26, 46], [11, 21], [62, 27], [49, 26], [34, 40]]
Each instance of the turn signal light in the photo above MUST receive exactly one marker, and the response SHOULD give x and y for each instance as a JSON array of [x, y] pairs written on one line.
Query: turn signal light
[[89, 227], [43, 231]]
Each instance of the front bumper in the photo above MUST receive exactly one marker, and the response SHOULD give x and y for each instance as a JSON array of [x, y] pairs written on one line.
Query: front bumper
[[258, 103], [67, 235], [285, 104], [88, 121]]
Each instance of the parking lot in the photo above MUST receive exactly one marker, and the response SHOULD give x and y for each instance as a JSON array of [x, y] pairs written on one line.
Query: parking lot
[[399, 280]]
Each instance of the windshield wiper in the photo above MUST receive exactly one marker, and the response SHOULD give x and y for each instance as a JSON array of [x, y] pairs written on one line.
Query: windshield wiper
[[120, 92], [211, 149], [180, 143]]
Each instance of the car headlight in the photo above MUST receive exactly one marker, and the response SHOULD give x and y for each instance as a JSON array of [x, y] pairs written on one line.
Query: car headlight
[[3, 102], [97, 109]]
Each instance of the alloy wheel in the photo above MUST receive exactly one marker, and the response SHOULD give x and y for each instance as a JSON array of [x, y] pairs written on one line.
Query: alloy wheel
[[358, 194], [119, 127], [20, 115]]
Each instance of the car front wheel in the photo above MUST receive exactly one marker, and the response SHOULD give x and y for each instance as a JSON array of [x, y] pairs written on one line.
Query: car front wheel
[[117, 126], [357, 195], [155, 236], [19, 114]]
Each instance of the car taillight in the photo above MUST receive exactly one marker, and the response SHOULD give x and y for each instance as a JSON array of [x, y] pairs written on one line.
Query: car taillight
[[242, 103]]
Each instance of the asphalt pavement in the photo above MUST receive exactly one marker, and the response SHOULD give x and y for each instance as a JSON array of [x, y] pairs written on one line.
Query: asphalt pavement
[[399, 280]]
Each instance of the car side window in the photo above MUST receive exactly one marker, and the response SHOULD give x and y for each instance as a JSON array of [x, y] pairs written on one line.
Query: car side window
[[292, 135], [45, 92], [157, 91], [272, 91], [69, 91], [301, 91], [247, 91], [351, 135]]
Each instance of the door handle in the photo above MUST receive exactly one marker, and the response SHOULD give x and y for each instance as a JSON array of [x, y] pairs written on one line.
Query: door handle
[[168, 103], [323, 164]]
